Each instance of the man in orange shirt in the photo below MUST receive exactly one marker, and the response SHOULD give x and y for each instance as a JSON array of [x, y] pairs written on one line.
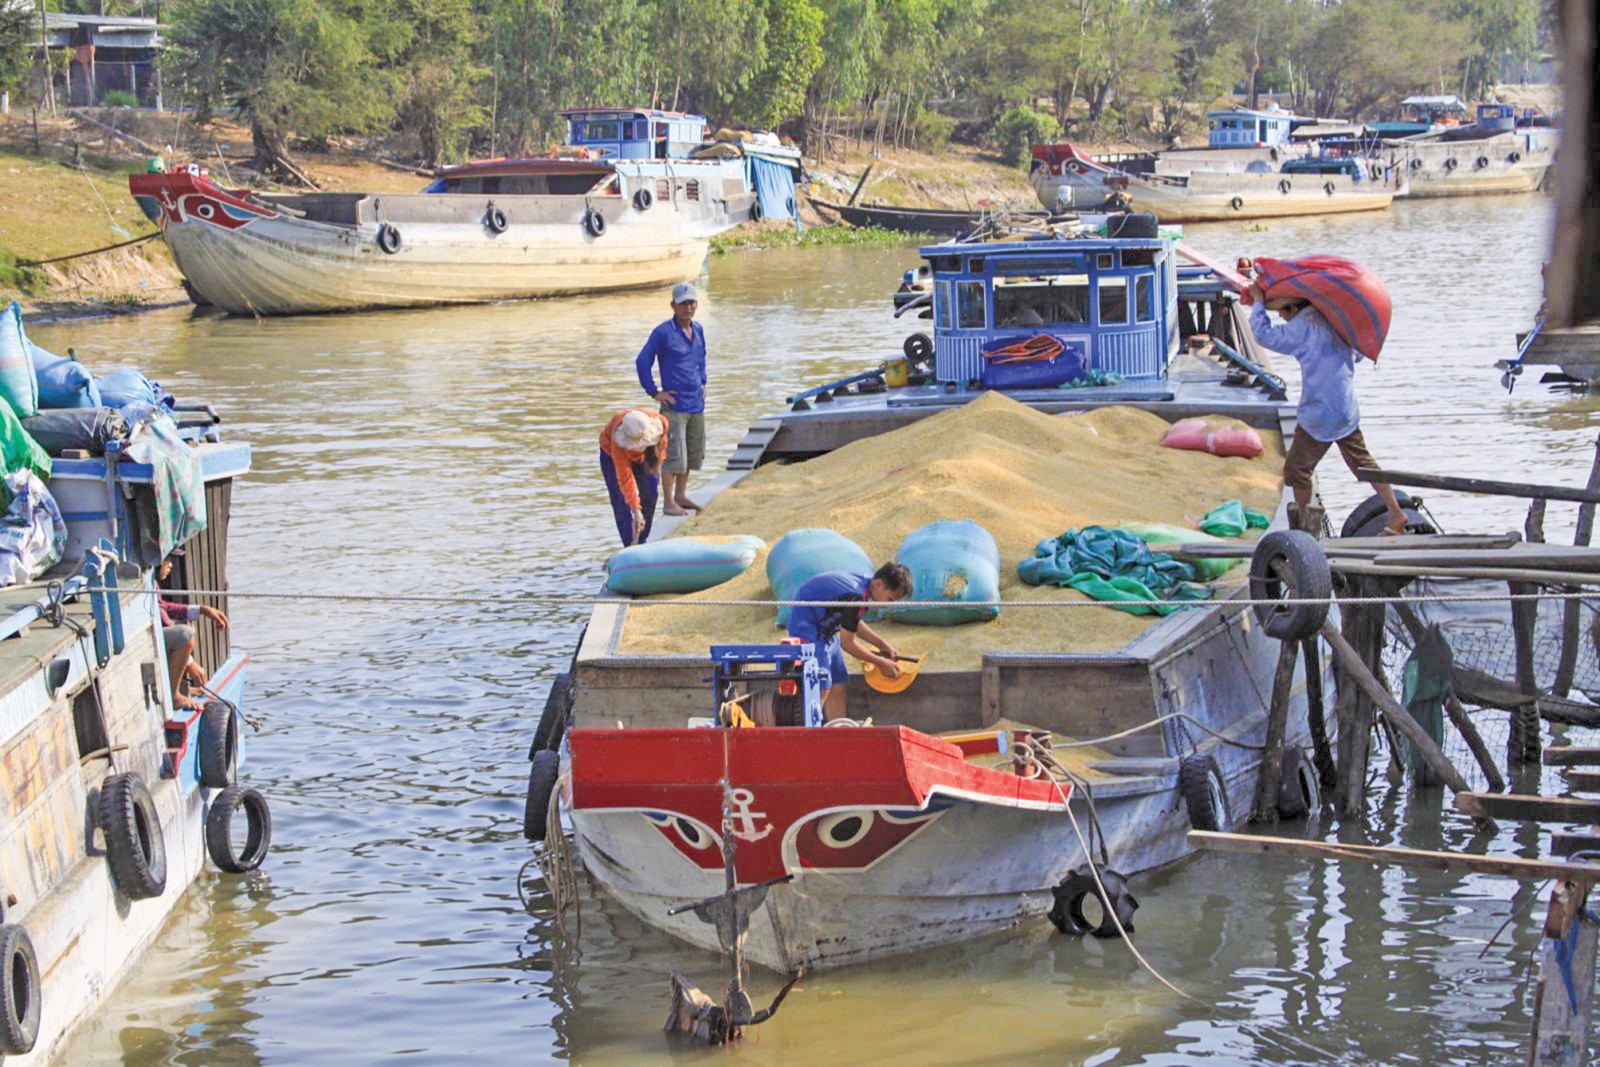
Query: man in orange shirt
[[631, 447]]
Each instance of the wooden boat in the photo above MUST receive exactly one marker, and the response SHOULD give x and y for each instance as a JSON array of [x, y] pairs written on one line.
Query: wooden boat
[[876, 840], [1214, 196], [937, 221], [598, 215], [1491, 156]]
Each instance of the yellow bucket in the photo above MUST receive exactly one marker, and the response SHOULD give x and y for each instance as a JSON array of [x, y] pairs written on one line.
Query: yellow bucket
[[896, 373]]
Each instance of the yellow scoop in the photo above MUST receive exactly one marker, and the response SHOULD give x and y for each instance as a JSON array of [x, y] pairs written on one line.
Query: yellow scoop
[[909, 666]]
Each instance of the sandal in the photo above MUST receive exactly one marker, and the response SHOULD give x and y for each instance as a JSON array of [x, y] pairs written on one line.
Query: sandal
[[1390, 531]]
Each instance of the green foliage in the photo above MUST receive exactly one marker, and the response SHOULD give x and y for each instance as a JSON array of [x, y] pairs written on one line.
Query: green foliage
[[794, 53], [19, 31], [29, 281], [814, 237], [929, 130], [119, 98], [1020, 129]]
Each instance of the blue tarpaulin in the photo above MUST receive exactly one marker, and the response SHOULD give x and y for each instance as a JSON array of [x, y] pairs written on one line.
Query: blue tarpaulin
[[774, 184]]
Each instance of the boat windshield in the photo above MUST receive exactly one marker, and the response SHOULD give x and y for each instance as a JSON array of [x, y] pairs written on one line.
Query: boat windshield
[[1042, 300]]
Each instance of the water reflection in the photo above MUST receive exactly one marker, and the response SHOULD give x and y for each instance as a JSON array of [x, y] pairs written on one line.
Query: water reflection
[[453, 451]]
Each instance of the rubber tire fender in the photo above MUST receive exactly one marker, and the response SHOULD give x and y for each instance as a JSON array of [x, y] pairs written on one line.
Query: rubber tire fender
[[1284, 185], [1450, 163], [918, 347], [496, 220], [1200, 783], [1416, 164], [219, 825], [389, 238], [542, 775], [643, 199], [1237, 203], [135, 847], [20, 991], [1077, 887], [218, 754], [1363, 512], [1309, 578], [553, 722], [1514, 158], [1299, 790], [594, 222], [1328, 187], [755, 210], [1480, 162], [1376, 172]]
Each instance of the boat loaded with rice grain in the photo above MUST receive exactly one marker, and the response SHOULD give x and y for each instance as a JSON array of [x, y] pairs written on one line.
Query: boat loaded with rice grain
[[1035, 754], [632, 202], [112, 791]]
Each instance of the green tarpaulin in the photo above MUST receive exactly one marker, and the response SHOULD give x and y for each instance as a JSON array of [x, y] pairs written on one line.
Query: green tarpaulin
[[1114, 566]]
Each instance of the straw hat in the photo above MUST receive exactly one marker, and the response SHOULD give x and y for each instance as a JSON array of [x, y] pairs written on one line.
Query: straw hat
[[637, 431]]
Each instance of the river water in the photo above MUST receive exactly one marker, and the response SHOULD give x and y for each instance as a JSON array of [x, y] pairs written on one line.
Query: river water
[[453, 452]]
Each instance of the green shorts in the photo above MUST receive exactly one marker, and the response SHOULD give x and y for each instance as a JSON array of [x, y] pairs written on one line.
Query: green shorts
[[686, 441]]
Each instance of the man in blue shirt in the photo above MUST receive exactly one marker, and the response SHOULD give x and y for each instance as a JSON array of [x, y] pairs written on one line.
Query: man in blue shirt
[[679, 346], [1327, 415], [837, 630]]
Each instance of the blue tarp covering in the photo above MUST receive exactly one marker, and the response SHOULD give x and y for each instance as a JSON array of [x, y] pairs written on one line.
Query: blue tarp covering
[[774, 187]]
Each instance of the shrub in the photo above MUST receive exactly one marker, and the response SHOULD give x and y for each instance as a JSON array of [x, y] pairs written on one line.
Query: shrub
[[930, 131], [1020, 129], [120, 98]]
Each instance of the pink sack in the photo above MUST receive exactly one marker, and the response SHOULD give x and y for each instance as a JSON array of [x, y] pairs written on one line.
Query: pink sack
[[1191, 435]]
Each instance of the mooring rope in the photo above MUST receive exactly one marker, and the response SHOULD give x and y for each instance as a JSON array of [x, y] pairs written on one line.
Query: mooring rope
[[1157, 721], [91, 252]]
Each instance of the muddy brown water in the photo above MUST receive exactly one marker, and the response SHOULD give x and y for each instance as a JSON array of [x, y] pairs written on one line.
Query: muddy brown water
[[453, 452]]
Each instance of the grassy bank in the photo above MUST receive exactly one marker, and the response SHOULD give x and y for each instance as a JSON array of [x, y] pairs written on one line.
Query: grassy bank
[[782, 235]]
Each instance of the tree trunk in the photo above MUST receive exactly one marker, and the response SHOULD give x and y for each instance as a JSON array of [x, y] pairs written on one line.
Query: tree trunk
[[271, 147]]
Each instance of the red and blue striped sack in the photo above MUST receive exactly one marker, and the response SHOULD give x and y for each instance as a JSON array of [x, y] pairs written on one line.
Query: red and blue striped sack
[[1350, 296]]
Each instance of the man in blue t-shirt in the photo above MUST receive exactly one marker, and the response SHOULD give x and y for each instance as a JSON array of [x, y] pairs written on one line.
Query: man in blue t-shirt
[[1327, 416], [837, 630], [679, 346]]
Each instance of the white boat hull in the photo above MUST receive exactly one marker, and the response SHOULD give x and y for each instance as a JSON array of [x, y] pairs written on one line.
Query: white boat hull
[[1216, 196]]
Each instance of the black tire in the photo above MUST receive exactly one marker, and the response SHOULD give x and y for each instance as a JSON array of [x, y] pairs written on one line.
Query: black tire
[[1363, 512], [1328, 188], [20, 991], [1133, 224], [1299, 791], [1450, 164], [219, 826], [1237, 203], [1376, 173], [1076, 888], [1481, 162], [496, 220], [553, 722], [1309, 578], [594, 222], [755, 210], [542, 775], [389, 238], [135, 847], [918, 347], [643, 198], [219, 745], [1205, 795], [1514, 158], [1416, 164], [1284, 185]]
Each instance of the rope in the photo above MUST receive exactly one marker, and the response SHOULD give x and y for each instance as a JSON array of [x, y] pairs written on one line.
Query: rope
[[898, 605], [91, 252], [1157, 722]]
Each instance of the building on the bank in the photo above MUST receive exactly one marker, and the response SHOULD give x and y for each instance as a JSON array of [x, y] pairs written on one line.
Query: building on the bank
[[108, 53]]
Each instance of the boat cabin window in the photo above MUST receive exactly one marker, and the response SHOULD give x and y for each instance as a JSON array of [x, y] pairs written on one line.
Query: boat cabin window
[[945, 264], [602, 131], [1105, 261], [970, 311], [1138, 257], [975, 265], [1057, 300], [663, 189], [941, 301], [1113, 301], [1144, 303], [691, 189]]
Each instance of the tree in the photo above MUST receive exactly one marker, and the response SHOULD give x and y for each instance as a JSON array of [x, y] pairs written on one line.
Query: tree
[[440, 106], [777, 92], [306, 67], [19, 33], [702, 54]]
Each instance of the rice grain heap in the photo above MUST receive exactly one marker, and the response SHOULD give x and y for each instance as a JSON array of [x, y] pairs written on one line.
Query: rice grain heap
[[1021, 474]]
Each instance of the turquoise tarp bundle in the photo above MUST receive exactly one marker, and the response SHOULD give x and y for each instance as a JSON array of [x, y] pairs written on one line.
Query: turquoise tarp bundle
[[955, 561], [17, 385], [801, 555], [1114, 566], [680, 564], [1232, 519]]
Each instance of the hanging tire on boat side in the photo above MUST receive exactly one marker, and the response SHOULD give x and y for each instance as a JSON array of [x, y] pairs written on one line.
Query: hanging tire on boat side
[[1327, 187], [642, 199], [389, 238], [1299, 790], [1450, 164], [1205, 794], [1481, 162], [1284, 185], [1307, 578], [553, 722], [135, 847], [1377, 173], [1416, 164], [542, 775], [496, 220], [219, 829], [1514, 158], [594, 222], [20, 991], [1237, 203], [1078, 887], [219, 745], [1362, 514], [918, 347]]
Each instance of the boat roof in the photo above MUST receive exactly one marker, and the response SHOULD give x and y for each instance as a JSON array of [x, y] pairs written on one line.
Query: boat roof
[[641, 112], [1252, 112], [527, 165], [1451, 101], [1343, 129], [1056, 246]]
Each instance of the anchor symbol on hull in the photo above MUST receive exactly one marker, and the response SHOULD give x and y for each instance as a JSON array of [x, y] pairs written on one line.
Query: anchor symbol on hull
[[743, 819]]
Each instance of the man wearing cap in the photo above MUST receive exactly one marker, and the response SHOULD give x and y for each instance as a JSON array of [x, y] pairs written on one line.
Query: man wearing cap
[[679, 346], [631, 447]]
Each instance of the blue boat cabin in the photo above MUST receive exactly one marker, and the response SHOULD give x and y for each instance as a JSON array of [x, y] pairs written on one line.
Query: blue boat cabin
[[1039, 314], [1244, 128], [634, 133]]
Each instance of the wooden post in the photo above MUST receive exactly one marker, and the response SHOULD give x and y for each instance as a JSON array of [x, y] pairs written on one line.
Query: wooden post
[[1533, 526], [1271, 777], [860, 185], [1321, 755], [1355, 707], [1572, 610], [1356, 670], [1480, 751], [1564, 998], [1523, 742]]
